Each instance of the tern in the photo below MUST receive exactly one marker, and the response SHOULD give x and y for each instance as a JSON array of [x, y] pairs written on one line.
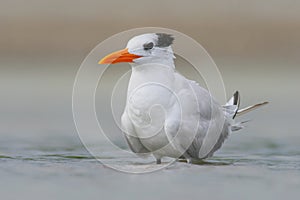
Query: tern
[[166, 114]]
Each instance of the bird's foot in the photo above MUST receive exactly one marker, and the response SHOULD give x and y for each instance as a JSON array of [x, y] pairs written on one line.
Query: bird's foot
[[190, 160]]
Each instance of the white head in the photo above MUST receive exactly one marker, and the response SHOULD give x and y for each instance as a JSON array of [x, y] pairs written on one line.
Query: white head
[[144, 49]]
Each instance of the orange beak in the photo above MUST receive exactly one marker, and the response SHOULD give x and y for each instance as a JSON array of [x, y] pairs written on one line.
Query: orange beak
[[118, 56]]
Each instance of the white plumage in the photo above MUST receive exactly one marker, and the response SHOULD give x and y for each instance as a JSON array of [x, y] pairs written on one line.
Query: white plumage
[[167, 114]]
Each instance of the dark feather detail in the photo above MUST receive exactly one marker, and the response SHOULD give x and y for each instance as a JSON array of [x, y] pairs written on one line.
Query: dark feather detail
[[236, 101], [164, 40]]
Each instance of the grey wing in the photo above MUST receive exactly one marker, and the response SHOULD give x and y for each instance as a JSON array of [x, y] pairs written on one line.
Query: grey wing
[[133, 141], [214, 125]]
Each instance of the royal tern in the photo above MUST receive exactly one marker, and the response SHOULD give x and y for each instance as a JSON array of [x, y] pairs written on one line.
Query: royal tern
[[166, 114]]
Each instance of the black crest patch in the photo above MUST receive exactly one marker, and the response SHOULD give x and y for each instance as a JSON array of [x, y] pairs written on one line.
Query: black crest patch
[[164, 40]]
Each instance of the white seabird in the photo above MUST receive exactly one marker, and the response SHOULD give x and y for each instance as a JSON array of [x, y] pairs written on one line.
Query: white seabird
[[166, 114]]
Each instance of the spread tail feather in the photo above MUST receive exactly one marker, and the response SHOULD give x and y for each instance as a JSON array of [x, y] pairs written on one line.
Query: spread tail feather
[[232, 106], [238, 126], [232, 110], [250, 108]]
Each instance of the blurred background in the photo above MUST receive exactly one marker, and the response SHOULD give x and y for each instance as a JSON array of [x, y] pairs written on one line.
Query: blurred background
[[255, 44], [42, 44]]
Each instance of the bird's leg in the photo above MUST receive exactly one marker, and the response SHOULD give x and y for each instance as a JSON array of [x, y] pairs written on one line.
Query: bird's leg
[[182, 160], [186, 160], [158, 161]]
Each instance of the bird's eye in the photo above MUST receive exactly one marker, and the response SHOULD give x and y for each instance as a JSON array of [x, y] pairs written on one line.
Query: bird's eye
[[148, 46]]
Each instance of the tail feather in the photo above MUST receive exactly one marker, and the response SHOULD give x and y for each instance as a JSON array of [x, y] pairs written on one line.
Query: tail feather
[[238, 126], [250, 108], [232, 106], [232, 110]]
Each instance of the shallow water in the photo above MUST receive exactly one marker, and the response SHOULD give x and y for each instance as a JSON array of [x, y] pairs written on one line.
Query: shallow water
[[65, 170]]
